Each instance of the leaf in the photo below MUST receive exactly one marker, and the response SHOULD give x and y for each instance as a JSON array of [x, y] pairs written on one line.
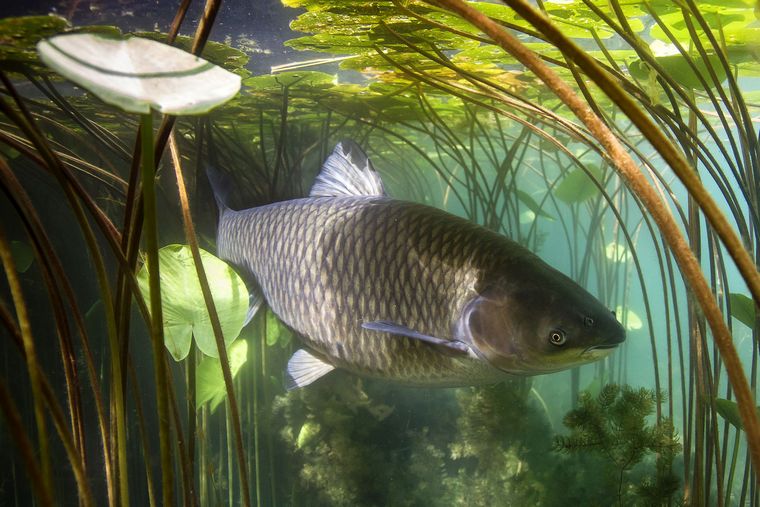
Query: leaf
[[138, 74], [617, 252], [307, 433], [209, 379], [277, 332], [217, 53], [184, 309], [743, 309], [677, 67], [532, 205], [19, 35], [576, 186], [629, 318], [729, 410], [23, 256]]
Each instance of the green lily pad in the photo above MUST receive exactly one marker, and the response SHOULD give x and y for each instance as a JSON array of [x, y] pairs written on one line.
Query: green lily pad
[[19, 35], [138, 74], [576, 186], [209, 379], [678, 68], [743, 309], [184, 309]]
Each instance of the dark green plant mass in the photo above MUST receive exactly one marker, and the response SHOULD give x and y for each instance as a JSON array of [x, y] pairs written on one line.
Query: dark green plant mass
[[614, 425]]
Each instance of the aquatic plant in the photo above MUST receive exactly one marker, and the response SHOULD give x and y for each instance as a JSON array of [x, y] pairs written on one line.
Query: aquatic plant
[[451, 119], [614, 425]]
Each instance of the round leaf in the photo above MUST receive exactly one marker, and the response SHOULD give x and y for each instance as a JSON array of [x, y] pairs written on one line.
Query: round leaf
[[576, 186], [184, 309], [136, 74]]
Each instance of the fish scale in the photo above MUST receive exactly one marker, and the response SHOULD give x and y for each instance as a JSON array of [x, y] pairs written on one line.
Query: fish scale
[[315, 258], [400, 290]]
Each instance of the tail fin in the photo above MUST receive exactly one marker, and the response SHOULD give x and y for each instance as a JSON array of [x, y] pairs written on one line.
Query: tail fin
[[221, 186]]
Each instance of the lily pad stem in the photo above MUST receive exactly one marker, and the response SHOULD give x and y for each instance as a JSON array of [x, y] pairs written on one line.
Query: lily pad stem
[[639, 185], [156, 314]]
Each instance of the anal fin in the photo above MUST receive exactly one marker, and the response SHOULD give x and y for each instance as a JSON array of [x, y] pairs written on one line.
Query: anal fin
[[304, 368]]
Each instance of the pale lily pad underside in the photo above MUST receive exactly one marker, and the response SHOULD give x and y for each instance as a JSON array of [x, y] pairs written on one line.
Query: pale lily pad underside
[[136, 74]]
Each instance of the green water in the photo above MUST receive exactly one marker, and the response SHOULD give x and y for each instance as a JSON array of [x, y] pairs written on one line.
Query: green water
[[450, 119]]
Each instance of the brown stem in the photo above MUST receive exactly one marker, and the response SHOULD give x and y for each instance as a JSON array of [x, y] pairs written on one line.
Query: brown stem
[[215, 325], [639, 185]]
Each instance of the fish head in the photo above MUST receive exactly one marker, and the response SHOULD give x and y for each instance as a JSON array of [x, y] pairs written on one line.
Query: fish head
[[534, 328]]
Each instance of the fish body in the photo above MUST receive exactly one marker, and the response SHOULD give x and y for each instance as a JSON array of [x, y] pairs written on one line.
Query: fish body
[[393, 289]]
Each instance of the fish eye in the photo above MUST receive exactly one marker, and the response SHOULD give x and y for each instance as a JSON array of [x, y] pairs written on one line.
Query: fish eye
[[557, 337], [588, 321]]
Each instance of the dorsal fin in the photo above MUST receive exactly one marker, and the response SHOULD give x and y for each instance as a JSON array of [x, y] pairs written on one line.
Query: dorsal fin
[[347, 171]]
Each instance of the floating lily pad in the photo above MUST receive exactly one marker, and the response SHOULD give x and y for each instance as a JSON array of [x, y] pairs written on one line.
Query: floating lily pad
[[184, 309], [209, 379], [743, 309], [19, 35], [217, 53], [678, 68], [138, 74]]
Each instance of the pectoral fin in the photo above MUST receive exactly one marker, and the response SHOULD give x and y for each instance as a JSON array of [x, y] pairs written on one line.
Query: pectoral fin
[[453, 347], [304, 368]]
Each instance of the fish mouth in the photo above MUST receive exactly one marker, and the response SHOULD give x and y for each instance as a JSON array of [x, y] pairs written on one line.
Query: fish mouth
[[604, 347]]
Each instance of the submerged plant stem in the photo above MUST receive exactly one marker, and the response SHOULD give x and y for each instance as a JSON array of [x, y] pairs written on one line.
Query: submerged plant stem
[[156, 314], [216, 326], [638, 184], [33, 367]]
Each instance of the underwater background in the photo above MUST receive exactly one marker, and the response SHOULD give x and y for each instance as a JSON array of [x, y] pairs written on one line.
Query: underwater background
[[649, 198]]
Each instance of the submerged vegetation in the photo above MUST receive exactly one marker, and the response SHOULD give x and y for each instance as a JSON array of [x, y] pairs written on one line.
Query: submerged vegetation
[[617, 140]]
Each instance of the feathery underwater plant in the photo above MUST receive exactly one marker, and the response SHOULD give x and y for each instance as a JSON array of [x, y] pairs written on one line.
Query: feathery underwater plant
[[614, 426]]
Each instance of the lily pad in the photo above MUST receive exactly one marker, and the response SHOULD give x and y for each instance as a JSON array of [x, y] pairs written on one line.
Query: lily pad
[[138, 74], [576, 186], [209, 379], [617, 252], [532, 205], [184, 309], [629, 318], [677, 67], [743, 309], [19, 35]]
